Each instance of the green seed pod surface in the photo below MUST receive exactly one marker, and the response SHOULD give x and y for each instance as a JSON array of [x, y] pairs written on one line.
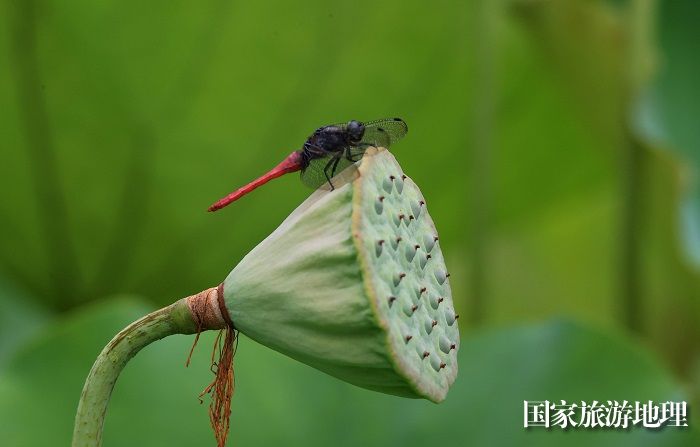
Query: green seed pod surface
[[406, 276], [354, 283]]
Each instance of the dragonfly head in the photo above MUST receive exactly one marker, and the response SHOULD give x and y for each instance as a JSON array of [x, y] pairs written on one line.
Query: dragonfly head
[[355, 130]]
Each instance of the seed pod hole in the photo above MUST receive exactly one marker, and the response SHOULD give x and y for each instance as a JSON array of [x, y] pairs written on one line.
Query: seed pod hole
[[434, 301], [423, 260], [440, 276], [435, 362], [399, 184], [380, 246], [410, 253], [445, 344], [428, 242], [415, 208], [379, 205], [388, 185], [450, 317]]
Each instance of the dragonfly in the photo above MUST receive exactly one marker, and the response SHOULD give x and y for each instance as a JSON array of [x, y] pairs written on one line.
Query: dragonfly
[[327, 152]]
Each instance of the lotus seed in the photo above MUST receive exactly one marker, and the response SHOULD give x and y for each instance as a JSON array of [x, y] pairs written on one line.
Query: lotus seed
[[434, 303], [440, 276], [379, 206], [429, 242], [450, 317], [445, 345], [399, 185], [410, 253], [387, 185], [423, 260], [380, 244], [415, 207], [435, 362]]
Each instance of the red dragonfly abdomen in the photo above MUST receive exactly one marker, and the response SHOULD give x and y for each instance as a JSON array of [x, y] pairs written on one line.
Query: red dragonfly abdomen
[[294, 162]]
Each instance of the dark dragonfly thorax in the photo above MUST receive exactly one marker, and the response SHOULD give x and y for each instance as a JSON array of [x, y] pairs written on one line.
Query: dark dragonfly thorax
[[331, 140]]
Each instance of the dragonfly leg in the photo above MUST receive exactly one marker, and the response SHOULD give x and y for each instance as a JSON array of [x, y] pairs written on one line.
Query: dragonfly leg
[[325, 170], [353, 157], [335, 165]]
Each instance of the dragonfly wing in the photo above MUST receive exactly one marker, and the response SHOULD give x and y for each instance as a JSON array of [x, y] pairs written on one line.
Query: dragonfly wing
[[384, 132], [314, 175], [320, 170]]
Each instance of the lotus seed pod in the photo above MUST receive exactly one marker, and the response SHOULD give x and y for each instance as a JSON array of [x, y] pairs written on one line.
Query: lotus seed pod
[[354, 283]]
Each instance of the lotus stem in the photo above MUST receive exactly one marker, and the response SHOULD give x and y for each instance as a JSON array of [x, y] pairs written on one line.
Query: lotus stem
[[187, 316]]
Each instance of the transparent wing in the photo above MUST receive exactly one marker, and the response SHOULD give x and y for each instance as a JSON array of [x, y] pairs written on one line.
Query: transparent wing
[[314, 175], [321, 170], [384, 132]]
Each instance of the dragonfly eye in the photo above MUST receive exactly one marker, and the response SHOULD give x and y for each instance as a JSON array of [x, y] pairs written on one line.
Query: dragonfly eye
[[355, 129]]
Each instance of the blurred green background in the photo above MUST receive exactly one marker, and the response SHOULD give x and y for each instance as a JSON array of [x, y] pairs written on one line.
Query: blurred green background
[[556, 142]]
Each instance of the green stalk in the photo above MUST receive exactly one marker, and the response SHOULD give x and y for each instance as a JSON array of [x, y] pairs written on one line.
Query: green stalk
[[62, 260], [92, 408], [640, 29], [483, 129]]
